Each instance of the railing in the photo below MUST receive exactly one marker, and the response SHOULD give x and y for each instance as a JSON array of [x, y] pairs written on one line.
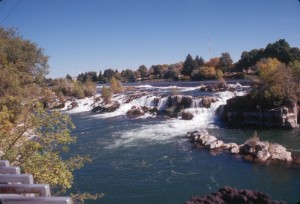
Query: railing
[[18, 188]]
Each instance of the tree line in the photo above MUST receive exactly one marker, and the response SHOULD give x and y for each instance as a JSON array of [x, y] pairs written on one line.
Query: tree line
[[197, 68]]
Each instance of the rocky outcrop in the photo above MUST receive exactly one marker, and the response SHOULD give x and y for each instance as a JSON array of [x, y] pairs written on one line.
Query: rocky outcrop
[[207, 101], [180, 101], [106, 108], [72, 105], [228, 195], [137, 95], [263, 151], [253, 149], [185, 115], [242, 111], [137, 111], [177, 103]]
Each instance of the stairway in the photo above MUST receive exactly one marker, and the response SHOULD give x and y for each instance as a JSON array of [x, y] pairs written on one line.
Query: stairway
[[17, 188]]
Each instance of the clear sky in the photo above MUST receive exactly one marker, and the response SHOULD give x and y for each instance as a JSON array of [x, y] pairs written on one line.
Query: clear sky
[[94, 35]]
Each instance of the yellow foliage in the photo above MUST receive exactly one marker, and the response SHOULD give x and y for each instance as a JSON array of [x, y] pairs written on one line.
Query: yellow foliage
[[116, 85]]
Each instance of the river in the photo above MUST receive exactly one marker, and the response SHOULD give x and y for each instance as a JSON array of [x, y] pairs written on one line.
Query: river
[[149, 160]]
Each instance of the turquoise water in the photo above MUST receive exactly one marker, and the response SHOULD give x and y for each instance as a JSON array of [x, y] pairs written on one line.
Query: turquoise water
[[149, 160]]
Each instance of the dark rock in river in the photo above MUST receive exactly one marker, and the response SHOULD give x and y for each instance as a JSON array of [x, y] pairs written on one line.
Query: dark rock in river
[[106, 108], [180, 101], [207, 101], [185, 115], [135, 112], [228, 195]]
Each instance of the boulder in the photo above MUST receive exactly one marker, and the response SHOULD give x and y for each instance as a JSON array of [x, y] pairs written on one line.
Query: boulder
[[207, 101], [135, 112], [232, 195], [253, 149], [214, 144], [279, 153], [232, 147], [185, 115], [180, 101], [73, 105], [156, 101], [106, 108]]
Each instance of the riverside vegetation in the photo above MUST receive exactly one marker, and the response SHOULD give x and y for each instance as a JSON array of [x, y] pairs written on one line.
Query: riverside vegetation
[[31, 136], [35, 138]]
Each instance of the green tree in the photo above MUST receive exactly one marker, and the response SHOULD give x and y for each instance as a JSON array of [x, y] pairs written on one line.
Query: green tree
[[189, 65], [101, 78], [158, 71], [172, 73], [128, 76], [108, 74], [225, 62], [35, 142], [200, 61], [69, 77], [143, 71]]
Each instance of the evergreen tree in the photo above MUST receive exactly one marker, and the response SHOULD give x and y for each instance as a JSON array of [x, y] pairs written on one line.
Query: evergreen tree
[[200, 61], [101, 78], [189, 65]]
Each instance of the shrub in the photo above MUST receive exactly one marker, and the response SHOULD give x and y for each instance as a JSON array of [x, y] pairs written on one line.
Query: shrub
[[106, 94], [116, 85]]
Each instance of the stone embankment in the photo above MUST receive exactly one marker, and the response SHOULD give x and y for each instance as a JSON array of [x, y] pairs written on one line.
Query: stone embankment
[[253, 149], [239, 112]]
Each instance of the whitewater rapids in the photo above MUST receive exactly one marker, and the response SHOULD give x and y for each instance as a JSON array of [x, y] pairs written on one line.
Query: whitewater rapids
[[163, 130]]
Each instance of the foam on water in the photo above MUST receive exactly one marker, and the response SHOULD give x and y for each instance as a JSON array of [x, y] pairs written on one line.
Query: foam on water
[[163, 130], [172, 128]]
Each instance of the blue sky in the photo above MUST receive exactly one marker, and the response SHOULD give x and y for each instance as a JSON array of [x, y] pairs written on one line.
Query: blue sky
[[94, 35]]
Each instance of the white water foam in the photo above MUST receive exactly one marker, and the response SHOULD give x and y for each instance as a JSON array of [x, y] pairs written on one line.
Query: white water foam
[[172, 128], [165, 129]]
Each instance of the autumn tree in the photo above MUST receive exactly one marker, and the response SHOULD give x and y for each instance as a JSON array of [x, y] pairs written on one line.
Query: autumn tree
[[213, 62], [203, 73], [31, 136], [295, 66], [275, 86]]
